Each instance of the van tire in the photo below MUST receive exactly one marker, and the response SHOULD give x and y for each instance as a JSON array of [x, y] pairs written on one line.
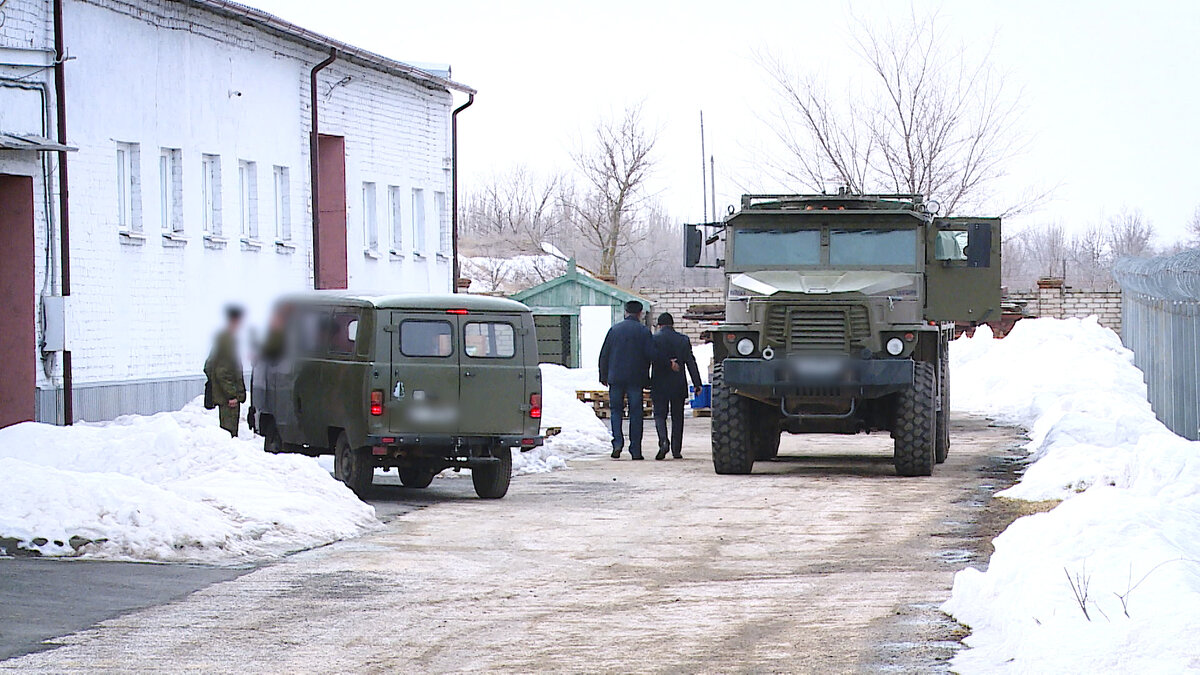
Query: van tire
[[732, 429], [416, 476], [915, 428], [353, 466], [491, 481]]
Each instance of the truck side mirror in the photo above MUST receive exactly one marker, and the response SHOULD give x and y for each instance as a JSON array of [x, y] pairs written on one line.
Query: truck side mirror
[[979, 245], [693, 244]]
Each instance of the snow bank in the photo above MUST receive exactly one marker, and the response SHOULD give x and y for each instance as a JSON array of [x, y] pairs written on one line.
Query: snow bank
[[168, 487], [1128, 532], [582, 432]]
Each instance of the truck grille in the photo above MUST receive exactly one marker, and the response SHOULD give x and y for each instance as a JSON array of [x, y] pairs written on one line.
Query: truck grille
[[808, 328]]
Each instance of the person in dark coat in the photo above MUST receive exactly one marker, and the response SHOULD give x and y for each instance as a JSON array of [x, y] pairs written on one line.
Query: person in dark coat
[[668, 384], [224, 371], [625, 369]]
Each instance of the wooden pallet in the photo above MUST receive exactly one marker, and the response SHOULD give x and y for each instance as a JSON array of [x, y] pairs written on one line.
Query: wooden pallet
[[701, 412], [601, 405]]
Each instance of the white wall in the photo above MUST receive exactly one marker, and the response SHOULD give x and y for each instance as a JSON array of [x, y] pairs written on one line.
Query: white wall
[[164, 74]]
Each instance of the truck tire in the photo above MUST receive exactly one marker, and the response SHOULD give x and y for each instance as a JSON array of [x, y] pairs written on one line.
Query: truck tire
[[732, 430], [943, 416], [915, 429], [491, 482], [766, 447], [353, 466], [416, 476]]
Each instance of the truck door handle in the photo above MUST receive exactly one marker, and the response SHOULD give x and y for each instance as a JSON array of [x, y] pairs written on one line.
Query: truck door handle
[[467, 373]]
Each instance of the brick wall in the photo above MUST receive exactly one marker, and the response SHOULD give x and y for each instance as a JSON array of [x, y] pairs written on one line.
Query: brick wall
[[1061, 303], [677, 300]]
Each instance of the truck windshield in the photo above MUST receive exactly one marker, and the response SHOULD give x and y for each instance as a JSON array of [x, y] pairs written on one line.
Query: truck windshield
[[872, 247], [783, 248]]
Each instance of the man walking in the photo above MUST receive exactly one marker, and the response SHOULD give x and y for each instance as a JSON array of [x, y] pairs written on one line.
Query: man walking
[[224, 371], [625, 369], [668, 385]]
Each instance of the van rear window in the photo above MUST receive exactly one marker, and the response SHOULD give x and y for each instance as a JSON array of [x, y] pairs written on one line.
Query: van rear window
[[426, 338], [489, 340]]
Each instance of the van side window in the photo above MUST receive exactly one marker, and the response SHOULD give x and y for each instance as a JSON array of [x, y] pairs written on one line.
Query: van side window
[[489, 340], [343, 332], [426, 338]]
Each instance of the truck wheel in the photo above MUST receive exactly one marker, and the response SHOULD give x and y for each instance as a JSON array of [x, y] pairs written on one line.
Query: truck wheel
[[353, 466], [767, 446], [491, 482], [732, 432], [915, 428], [943, 417], [416, 476]]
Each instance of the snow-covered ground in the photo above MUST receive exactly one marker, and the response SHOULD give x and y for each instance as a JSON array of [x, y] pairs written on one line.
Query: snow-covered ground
[[167, 487], [1127, 536], [582, 432]]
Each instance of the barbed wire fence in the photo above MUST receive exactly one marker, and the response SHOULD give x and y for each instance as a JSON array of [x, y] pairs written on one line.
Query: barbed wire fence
[[1160, 322]]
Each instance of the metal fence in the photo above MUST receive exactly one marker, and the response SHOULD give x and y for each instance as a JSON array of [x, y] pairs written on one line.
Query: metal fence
[[1160, 322]]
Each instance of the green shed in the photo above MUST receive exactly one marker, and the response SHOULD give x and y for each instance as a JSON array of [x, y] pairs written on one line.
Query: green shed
[[572, 314]]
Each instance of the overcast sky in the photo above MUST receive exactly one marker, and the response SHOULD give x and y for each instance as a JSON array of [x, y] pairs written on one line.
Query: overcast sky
[[1111, 89]]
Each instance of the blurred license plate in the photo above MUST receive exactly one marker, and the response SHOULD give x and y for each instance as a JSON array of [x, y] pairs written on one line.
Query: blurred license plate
[[819, 367]]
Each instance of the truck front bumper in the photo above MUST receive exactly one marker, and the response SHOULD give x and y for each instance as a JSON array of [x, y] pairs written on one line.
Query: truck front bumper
[[818, 377]]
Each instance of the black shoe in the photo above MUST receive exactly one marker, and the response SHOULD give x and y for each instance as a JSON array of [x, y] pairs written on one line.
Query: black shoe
[[677, 456], [616, 453], [662, 454], [637, 458]]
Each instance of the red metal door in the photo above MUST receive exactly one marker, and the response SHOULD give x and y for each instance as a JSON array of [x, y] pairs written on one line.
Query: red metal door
[[331, 228], [17, 337]]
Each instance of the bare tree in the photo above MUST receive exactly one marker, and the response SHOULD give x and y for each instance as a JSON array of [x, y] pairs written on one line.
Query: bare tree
[[929, 120], [1130, 234], [614, 166], [515, 207], [1193, 229]]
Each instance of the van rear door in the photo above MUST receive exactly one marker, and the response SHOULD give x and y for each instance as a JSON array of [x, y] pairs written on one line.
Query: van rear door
[[424, 397], [492, 387]]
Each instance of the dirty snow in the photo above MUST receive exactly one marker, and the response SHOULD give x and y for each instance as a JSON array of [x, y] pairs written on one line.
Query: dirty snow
[[1127, 535], [582, 433], [167, 487]]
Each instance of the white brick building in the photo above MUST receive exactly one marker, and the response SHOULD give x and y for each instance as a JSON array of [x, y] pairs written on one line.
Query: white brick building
[[190, 187]]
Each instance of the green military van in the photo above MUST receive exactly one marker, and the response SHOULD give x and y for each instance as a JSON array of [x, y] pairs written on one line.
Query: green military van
[[419, 383]]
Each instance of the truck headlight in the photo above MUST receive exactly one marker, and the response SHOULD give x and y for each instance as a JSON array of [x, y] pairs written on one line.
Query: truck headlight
[[895, 346], [745, 346]]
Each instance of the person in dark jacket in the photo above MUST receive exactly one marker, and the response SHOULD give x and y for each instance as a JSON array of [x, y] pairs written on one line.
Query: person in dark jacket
[[668, 384], [625, 369], [224, 371]]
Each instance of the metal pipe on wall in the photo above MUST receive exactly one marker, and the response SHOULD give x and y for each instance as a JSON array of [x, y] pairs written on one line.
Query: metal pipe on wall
[[64, 211], [313, 165], [454, 191]]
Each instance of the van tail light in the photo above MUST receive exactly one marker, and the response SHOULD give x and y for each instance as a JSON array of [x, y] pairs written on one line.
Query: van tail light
[[377, 402], [535, 406]]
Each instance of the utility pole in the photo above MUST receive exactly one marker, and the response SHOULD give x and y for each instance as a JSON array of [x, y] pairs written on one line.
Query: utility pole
[[704, 178], [712, 176]]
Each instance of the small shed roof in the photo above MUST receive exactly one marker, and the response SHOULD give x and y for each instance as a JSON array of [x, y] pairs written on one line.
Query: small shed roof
[[575, 289]]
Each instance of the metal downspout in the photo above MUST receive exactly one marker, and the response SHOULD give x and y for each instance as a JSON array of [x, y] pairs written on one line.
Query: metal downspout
[[454, 190], [64, 211], [313, 165]]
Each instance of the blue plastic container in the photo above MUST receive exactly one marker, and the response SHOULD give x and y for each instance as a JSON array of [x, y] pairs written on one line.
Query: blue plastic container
[[704, 400]]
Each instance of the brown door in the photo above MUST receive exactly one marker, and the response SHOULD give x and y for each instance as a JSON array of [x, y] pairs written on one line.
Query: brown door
[[331, 228], [17, 346]]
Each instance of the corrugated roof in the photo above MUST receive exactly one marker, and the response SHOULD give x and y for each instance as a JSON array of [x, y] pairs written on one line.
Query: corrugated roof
[[270, 22]]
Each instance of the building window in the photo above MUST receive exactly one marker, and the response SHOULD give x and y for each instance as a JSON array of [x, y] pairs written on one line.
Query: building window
[[369, 218], [129, 186], [170, 186], [439, 200], [248, 191], [396, 217], [283, 214], [418, 219], [210, 183]]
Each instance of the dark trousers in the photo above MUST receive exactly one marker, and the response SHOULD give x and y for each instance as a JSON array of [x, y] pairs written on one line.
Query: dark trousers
[[617, 395], [672, 404], [229, 417]]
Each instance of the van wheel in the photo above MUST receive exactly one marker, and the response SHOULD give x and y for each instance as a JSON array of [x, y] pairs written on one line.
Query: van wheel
[[491, 482], [353, 466], [416, 476], [915, 428]]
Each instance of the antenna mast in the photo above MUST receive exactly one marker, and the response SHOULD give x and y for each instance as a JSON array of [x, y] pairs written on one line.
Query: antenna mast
[[703, 177]]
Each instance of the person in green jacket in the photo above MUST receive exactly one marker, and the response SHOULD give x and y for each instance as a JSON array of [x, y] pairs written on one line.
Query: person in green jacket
[[224, 371]]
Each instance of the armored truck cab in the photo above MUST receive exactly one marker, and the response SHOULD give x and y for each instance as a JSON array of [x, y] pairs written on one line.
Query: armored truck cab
[[416, 383], [839, 312]]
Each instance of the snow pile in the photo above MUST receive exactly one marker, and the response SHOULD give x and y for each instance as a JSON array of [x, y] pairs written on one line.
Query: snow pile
[[512, 274], [168, 487], [1124, 546], [582, 432]]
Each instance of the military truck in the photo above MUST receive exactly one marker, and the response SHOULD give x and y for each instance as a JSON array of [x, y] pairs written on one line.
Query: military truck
[[419, 383], [839, 313]]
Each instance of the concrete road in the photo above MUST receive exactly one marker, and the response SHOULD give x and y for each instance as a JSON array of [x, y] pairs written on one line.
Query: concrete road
[[821, 562]]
